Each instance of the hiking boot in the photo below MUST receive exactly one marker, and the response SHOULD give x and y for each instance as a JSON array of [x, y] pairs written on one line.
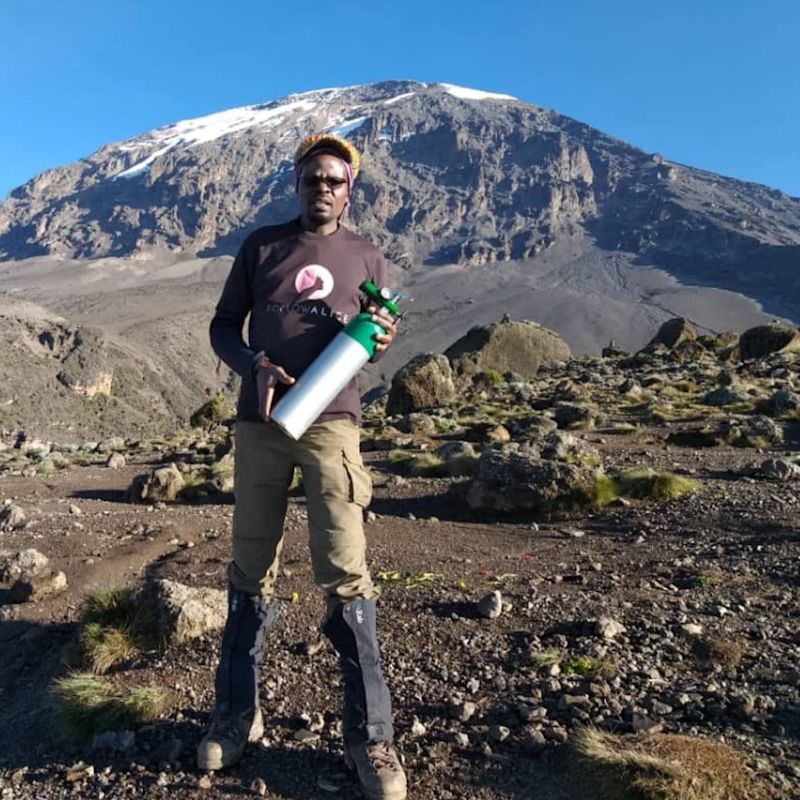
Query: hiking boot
[[378, 768], [224, 744]]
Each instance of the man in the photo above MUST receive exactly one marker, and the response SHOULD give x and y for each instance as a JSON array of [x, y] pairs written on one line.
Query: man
[[299, 283]]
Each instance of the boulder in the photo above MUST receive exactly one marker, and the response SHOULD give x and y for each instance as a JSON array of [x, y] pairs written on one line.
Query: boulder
[[116, 461], [756, 431], [424, 382], [723, 396], [783, 400], [507, 346], [573, 415], [490, 432], [672, 333], [460, 458], [515, 478], [763, 340], [533, 428], [186, 612], [162, 484], [28, 563], [12, 517], [780, 469], [417, 423]]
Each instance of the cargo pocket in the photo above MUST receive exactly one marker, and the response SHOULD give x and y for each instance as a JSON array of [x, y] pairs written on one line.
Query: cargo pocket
[[359, 482]]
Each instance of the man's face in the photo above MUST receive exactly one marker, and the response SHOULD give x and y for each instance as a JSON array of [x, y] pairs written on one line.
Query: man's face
[[323, 189]]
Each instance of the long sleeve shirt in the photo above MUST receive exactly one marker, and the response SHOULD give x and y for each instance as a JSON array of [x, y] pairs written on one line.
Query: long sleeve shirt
[[300, 289]]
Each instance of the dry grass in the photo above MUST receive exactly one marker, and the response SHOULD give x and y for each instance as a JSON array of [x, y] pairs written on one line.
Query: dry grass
[[115, 627], [666, 767], [549, 657], [86, 704], [721, 652], [107, 646]]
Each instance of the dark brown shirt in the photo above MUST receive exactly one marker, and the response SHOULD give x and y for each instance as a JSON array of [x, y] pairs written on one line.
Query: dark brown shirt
[[300, 289]]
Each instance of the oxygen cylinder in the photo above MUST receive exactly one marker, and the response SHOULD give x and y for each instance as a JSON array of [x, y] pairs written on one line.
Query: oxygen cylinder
[[334, 367]]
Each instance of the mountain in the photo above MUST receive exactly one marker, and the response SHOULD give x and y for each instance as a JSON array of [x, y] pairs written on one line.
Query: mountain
[[451, 175], [484, 203]]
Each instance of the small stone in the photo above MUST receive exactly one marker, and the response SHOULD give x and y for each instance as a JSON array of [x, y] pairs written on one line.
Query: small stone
[[491, 606], [116, 461], [499, 733], [460, 739], [643, 724], [417, 728], [567, 701], [692, 629], [608, 628], [463, 711], [78, 772], [259, 787], [75, 510], [204, 782], [305, 736]]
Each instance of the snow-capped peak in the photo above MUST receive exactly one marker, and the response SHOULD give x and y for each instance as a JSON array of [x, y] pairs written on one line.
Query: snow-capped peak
[[465, 93]]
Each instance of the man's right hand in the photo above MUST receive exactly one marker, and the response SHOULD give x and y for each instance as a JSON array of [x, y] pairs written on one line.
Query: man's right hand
[[268, 376]]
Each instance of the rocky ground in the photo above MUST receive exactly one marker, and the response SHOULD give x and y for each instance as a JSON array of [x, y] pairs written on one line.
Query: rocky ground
[[536, 579]]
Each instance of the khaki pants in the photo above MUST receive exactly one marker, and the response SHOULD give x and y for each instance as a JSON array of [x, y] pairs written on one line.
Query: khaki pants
[[337, 488]]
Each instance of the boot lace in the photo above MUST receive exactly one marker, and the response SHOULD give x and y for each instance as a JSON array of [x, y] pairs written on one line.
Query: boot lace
[[382, 757]]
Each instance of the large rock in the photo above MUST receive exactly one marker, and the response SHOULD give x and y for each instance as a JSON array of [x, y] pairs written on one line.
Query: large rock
[[424, 382], [28, 563], [12, 517], [85, 368], [516, 478], [162, 484], [756, 431], [763, 340], [186, 612], [507, 346], [673, 332]]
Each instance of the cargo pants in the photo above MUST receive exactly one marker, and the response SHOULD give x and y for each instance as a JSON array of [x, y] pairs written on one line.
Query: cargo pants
[[337, 488]]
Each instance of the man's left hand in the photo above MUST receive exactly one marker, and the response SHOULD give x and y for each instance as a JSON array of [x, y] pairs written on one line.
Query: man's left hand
[[389, 328]]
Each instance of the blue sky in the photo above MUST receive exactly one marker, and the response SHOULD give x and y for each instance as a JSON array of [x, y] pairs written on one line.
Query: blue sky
[[708, 83]]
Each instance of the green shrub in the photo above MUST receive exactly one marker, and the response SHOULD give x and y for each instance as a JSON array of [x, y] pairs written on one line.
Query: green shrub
[[211, 413]]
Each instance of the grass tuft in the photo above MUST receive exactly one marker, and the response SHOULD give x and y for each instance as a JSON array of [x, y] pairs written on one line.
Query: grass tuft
[[428, 465], [107, 646], [649, 484], [721, 652], [666, 767], [115, 627], [86, 705], [588, 667], [549, 657], [606, 490]]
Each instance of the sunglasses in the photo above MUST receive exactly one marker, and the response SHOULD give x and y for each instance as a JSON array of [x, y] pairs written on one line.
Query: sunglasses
[[331, 181]]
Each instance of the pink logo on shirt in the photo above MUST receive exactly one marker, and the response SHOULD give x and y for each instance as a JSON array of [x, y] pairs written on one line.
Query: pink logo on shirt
[[314, 277]]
